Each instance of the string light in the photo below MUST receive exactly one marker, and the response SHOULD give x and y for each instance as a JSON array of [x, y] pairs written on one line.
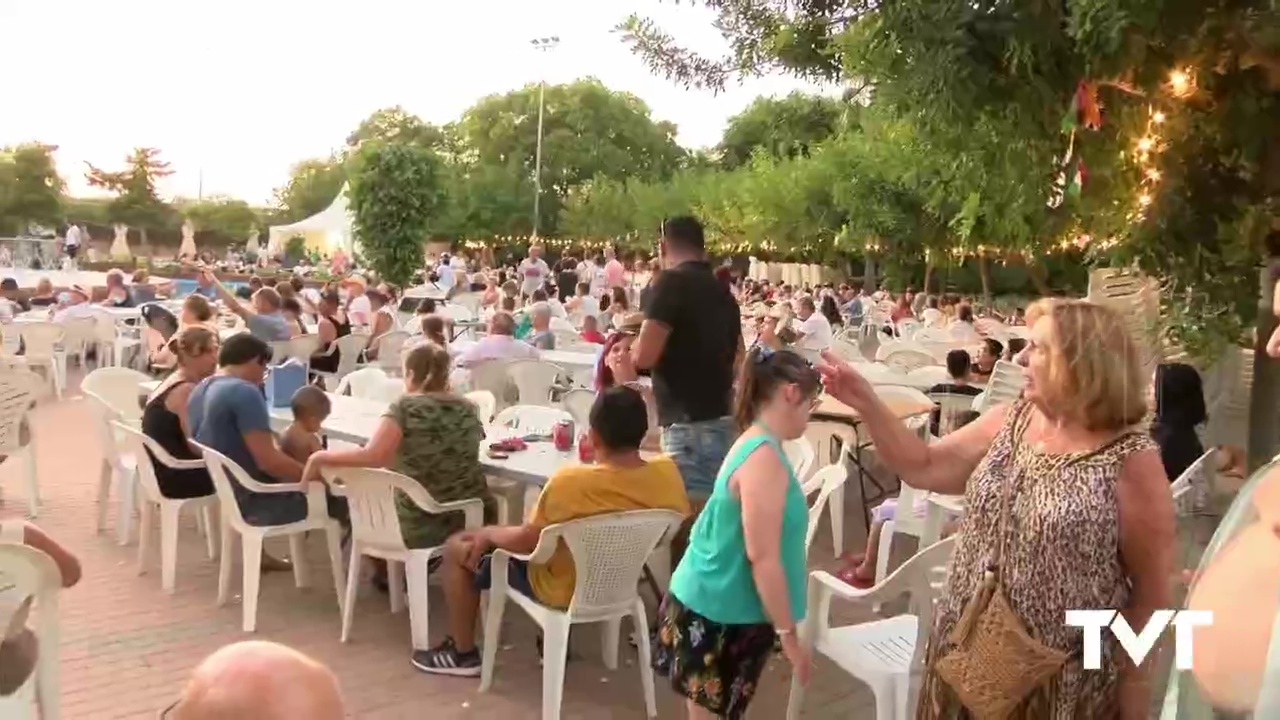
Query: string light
[[1181, 83]]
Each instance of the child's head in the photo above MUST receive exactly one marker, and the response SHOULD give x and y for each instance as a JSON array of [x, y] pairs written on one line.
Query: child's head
[[589, 324], [310, 407]]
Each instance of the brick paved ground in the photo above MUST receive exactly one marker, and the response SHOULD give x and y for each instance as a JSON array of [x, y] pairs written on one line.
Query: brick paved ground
[[127, 646]]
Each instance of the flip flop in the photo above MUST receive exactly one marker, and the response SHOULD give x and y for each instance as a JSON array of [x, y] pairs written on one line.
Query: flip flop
[[852, 558]]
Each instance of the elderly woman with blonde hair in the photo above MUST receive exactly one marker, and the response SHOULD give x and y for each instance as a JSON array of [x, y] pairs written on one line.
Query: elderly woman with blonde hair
[[1067, 508]]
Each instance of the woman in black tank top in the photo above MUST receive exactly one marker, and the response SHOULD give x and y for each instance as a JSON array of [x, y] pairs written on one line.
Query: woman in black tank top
[[197, 351], [341, 327]]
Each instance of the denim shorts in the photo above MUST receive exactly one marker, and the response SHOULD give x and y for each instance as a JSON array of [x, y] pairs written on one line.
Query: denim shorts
[[698, 449], [517, 575]]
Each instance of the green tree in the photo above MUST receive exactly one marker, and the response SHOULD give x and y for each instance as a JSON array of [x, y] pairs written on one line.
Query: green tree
[[395, 195], [486, 200], [136, 203], [31, 191], [396, 124], [312, 186], [588, 131], [231, 220], [783, 127]]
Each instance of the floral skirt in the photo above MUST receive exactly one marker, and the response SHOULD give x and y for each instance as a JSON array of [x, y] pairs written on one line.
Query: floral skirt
[[717, 666]]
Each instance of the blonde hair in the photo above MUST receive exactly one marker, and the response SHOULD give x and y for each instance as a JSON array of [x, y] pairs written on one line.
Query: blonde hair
[[1094, 378], [199, 307], [427, 368], [193, 341]]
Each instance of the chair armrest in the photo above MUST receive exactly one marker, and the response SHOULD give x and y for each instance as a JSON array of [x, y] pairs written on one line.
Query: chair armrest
[[830, 586], [499, 553], [317, 503], [472, 508], [184, 465]]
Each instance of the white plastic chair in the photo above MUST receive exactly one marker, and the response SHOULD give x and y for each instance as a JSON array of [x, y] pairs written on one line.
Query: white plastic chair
[[846, 350], [144, 451], [951, 406], [1004, 386], [485, 403], [825, 481], [928, 376], [494, 377], [609, 553], [113, 340], [81, 333], [390, 345], [349, 348], [17, 396], [562, 325], [830, 441], [375, 531], [534, 380], [370, 383], [34, 574], [577, 403], [40, 350], [800, 454], [115, 393], [224, 472], [1193, 488], [880, 653]]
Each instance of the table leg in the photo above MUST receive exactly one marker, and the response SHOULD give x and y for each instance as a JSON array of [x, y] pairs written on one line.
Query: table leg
[[934, 517]]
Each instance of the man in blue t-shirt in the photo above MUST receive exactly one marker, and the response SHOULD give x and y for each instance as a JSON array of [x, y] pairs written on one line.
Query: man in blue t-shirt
[[228, 413], [262, 316]]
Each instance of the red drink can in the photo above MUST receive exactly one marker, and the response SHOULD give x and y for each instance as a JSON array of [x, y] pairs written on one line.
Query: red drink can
[[586, 451], [562, 435]]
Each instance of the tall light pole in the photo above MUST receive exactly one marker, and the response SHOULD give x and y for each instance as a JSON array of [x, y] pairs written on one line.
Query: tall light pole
[[544, 45]]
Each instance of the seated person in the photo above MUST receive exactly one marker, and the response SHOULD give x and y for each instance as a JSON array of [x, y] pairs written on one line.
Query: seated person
[[959, 368], [44, 296], [263, 318], [620, 480], [860, 568], [992, 351], [295, 315], [591, 330], [301, 440], [540, 335], [1179, 408], [617, 368], [1016, 345], [499, 344], [333, 324], [141, 291], [227, 412], [165, 418], [117, 294], [19, 648], [196, 312]]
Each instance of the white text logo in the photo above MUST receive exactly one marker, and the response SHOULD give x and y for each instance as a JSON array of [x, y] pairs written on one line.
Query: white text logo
[[1137, 645]]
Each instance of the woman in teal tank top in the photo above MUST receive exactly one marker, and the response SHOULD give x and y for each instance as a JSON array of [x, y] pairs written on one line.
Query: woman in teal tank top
[[741, 582]]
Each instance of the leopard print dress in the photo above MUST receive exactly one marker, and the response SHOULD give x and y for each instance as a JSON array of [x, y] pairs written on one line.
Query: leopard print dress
[[1062, 552]]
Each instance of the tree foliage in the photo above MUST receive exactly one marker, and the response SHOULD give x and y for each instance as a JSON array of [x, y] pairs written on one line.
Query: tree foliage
[[227, 218], [399, 125], [783, 127], [312, 186], [31, 191], [135, 203], [395, 194]]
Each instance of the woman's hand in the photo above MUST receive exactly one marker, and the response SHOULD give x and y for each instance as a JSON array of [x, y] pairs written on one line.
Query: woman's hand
[[800, 659], [841, 381]]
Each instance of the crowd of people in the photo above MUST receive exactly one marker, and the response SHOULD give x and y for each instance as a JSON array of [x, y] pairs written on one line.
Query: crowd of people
[[1066, 490]]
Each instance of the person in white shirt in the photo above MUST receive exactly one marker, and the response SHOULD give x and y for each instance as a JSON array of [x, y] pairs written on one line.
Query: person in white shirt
[[499, 344], [446, 278], [359, 309], [74, 303], [963, 327], [583, 303], [598, 280], [71, 244], [534, 272], [814, 330]]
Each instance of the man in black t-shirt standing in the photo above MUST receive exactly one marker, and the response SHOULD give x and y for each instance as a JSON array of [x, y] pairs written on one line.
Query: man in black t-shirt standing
[[690, 341]]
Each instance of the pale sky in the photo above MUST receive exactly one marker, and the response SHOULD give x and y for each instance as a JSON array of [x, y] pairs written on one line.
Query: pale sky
[[241, 89]]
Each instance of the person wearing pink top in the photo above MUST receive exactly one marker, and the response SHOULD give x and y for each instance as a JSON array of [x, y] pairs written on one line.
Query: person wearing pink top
[[499, 344], [613, 270]]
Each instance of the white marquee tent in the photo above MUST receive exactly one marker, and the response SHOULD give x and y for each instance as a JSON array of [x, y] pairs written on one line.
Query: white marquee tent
[[325, 231]]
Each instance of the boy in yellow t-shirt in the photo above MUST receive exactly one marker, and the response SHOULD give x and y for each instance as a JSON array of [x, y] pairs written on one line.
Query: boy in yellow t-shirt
[[621, 480]]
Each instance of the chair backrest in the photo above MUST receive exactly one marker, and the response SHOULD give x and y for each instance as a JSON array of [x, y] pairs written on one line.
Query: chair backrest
[[371, 495], [390, 345], [951, 410], [485, 403], [35, 575], [17, 395], [829, 441], [533, 379], [920, 577], [226, 474], [609, 553], [928, 376], [899, 393], [908, 327], [370, 383], [559, 324], [80, 331], [493, 376], [118, 389], [825, 481], [1004, 385], [349, 349], [455, 312], [847, 350], [931, 335], [1191, 490], [40, 339], [578, 402], [800, 454], [905, 360], [530, 418], [147, 452], [302, 347]]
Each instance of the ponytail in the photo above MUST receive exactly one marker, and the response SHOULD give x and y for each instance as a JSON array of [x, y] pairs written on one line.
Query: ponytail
[[763, 371]]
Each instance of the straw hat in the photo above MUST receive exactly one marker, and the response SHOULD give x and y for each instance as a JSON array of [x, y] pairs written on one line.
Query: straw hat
[[356, 280]]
